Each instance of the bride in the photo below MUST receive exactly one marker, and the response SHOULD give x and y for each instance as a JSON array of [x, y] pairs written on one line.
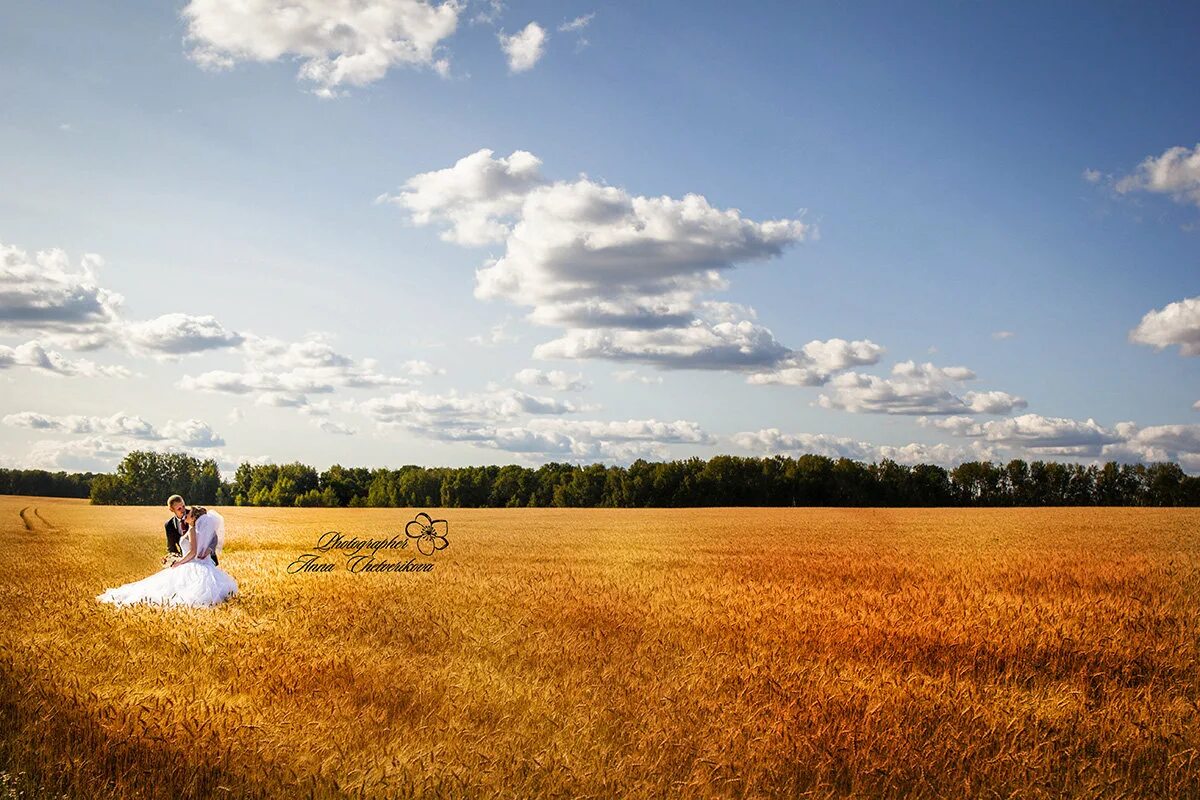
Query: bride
[[192, 580]]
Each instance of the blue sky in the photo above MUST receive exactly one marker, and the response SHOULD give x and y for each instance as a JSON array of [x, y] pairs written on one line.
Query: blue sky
[[988, 221]]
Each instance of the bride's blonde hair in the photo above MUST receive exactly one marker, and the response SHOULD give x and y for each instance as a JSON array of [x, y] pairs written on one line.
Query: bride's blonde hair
[[198, 511]]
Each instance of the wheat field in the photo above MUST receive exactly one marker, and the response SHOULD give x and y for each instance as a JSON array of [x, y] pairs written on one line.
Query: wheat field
[[612, 653]]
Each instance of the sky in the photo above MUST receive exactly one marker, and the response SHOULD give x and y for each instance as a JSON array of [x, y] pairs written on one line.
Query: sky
[[389, 232]]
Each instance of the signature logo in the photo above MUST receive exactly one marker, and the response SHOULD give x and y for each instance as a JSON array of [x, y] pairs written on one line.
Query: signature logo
[[431, 534]]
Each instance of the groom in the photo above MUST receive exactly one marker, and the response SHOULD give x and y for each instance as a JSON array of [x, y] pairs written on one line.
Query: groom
[[176, 526]]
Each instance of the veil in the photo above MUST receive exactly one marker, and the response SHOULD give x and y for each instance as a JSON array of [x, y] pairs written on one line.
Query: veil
[[219, 531]]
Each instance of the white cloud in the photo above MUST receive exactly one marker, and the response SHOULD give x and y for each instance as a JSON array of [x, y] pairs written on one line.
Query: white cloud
[[421, 368], [474, 196], [88, 454], [814, 363], [101, 453], [490, 14], [34, 355], [177, 334], [625, 275], [514, 421], [498, 334], [992, 402], [423, 408], [193, 433], [119, 424], [914, 389], [189, 433], [70, 309], [339, 42], [286, 372], [336, 428], [773, 441], [1003, 335], [577, 24], [1176, 323], [578, 440], [46, 295], [282, 400], [1178, 443], [1176, 173], [628, 375], [1035, 433], [582, 245], [555, 379], [524, 48], [726, 345]]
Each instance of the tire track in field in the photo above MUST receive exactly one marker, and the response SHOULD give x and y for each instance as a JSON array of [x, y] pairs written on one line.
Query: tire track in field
[[25, 519], [45, 521]]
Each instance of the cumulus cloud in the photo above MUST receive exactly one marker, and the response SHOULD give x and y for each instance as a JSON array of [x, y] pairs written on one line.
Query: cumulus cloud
[[177, 334], [1035, 433], [701, 345], [1179, 443], [45, 294], [1176, 173], [581, 242], [338, 42], [915, 389], [285, 373], [577, 24], [1029, 436], [336, 428], [772, 441], [119, 424], [87, 454], [524, 48], [420, 368], [624, 275], [193, 433], [190, 433], [630, 375], [475, 196], [422, 408], [555, 379], [578, 440], [497, 335], [1176, 323], [489, 14], [35, 356], [814, 363], [70, 309], [529, 425]]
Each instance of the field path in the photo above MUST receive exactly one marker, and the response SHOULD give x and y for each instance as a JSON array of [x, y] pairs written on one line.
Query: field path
[[28, 513]]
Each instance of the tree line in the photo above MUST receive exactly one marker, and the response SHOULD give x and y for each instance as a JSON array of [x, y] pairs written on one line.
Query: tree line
[[145, 477], [42, 483]]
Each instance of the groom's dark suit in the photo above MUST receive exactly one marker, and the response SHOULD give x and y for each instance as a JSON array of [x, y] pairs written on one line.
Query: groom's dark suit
[[175, 529]]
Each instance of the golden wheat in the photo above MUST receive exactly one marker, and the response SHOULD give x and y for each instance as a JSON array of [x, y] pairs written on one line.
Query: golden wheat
[[745, 653]]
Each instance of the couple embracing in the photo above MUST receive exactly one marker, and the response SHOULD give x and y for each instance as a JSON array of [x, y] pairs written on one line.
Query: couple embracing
[[192, 578]]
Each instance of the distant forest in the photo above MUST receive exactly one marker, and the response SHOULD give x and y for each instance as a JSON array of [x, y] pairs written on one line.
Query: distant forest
[[149, 478]]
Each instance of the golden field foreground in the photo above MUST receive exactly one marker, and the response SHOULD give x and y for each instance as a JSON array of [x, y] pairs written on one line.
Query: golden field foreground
[[612, 653]]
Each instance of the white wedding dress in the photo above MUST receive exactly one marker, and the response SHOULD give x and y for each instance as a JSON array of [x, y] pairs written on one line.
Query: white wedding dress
[[199, 582]]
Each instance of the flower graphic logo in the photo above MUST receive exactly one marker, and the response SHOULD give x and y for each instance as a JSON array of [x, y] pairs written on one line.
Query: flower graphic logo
[[430, 537]]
